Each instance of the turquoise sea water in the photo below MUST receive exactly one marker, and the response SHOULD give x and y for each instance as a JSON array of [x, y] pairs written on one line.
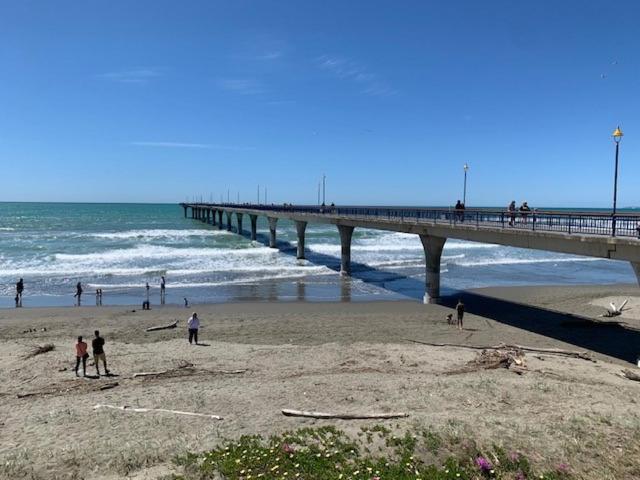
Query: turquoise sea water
[[121, 247]]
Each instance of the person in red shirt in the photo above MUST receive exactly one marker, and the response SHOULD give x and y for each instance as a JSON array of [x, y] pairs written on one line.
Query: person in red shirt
[[81, 355]]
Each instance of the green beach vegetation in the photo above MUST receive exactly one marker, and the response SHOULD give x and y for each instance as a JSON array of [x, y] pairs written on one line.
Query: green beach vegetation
[[374, 453]]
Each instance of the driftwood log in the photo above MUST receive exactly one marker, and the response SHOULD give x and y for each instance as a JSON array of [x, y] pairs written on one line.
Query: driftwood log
[[341, 416], [163, 327], [39, 350], [126, 408], [550, 351], [631, 375]]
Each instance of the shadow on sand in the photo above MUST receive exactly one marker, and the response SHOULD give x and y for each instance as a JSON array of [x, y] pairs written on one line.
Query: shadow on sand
[[606, 338]]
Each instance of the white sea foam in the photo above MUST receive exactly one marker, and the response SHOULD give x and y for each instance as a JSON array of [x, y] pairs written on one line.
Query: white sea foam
[[162, 234], [525, 261]]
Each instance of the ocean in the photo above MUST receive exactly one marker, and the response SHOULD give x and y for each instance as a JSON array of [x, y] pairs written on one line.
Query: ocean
[[121, 247]]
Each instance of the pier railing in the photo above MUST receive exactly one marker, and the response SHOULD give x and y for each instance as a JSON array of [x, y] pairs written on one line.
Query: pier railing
[[586, 223]]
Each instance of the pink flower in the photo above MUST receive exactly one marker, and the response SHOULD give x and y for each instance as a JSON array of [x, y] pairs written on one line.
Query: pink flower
[[288, 448], [483, 464]]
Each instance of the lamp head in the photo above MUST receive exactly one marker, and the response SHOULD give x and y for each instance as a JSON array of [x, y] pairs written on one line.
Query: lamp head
[[617, 135], [465, 167]]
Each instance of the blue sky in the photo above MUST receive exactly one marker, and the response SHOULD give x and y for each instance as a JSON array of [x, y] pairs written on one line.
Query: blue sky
[[157, 101]]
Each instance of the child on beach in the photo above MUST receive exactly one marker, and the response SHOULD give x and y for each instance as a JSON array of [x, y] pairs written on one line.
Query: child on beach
[[81, 355]]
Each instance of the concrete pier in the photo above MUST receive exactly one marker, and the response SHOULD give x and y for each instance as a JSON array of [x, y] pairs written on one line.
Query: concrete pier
[[272, 231], [346, 232], [254, 227], [636, 268], [433, 247], [214, 213], [228, 221], [301, 227], [239, 218], [220, 213], [185, 211]]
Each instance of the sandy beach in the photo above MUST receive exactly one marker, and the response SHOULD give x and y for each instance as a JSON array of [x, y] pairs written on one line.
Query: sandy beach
[[258, 358]]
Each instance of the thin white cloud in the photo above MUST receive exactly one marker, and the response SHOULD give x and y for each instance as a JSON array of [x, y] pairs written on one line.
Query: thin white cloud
[[345, 69], [189, 145], [138, 75], [241, 86], [272, 55]]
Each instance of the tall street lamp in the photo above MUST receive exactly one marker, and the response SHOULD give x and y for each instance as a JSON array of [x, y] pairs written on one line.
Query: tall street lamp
[[617, 136], [464, 194]]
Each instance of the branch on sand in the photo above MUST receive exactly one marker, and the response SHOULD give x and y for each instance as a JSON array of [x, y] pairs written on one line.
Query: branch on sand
[[510, 358], [40, 349], [502, 346], [630, 375], [186, 370], [163, 327], [75, 386], [126, 408], [342, 416]]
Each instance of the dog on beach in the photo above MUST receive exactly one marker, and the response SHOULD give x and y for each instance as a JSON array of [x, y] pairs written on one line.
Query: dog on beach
[[449, 318]]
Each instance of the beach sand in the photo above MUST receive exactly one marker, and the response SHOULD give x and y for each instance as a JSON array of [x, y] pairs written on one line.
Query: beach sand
[[345, 357]]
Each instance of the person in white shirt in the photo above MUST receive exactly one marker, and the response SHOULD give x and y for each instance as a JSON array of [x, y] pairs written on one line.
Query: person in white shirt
[[193, 324]]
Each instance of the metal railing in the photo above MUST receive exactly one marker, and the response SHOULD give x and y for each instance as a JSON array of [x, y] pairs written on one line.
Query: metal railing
[[574, 222]]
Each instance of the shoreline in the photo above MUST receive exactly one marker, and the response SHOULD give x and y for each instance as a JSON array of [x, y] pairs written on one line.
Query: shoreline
[[392, 298]]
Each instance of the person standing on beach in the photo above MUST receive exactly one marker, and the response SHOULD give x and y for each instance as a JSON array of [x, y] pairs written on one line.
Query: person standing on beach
[[78, 292], [163, 286], [19, 290], [193, 324], [81, 355], [460, 310], [98, 352]]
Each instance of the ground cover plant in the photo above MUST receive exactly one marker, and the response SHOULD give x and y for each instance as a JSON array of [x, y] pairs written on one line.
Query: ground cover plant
[[327, 453]]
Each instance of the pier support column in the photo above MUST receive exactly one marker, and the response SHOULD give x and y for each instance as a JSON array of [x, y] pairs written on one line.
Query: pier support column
[[272, 231], [636, 268], [208, 215], [185, 212], [254, 227], [301, 228], [220, 213], [214, 213], [346, 232], [193, 213], [229, 221], [239, 218], [432, 253]]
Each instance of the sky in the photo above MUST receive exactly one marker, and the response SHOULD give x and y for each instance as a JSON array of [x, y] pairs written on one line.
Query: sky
[[163, 101]]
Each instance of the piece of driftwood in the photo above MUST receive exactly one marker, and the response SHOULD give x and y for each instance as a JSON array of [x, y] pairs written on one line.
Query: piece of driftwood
[[149, 374], [126, 408], [342, 416], [187, 370], [163, 327], [489, 359], [550, 351], [631, 375], [40, 349], [107, 386]]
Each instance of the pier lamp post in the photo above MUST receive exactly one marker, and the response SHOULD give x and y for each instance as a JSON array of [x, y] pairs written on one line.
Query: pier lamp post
[[464, 193], [617, 136]]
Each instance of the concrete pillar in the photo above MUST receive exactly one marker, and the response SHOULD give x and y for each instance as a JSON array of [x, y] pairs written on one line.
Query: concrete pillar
[[254, 227], [220, 213], [300, 228], [432, 252], [272, 231], [346, 233], [214, 213], [208, 215], [193, 213], [185, 212], [229, 221], [239, 218], [636, 268]]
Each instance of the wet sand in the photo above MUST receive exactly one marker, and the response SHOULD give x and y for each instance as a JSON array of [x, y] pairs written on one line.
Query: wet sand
[[319, 356]]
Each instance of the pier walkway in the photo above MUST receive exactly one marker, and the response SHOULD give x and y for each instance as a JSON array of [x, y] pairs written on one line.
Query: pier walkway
[[590, 234]]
